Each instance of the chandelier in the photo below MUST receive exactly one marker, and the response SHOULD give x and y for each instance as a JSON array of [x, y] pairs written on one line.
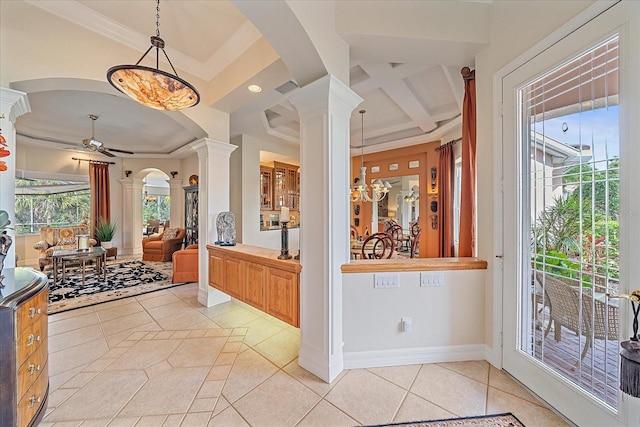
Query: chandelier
[[360, 192], [153, 87], [414, 196], [149, 198]]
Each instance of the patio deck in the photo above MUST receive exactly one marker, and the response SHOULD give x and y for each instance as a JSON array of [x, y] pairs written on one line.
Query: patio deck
[[598, 372]]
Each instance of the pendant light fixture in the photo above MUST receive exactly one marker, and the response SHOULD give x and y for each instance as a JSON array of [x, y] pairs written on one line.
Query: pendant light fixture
[[153, 87], [360, 192]]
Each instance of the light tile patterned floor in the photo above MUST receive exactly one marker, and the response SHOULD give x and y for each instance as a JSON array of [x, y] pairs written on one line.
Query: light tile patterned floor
[[162, 359]]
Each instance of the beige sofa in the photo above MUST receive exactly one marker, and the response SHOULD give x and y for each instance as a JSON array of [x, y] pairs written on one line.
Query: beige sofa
[[53, 238]]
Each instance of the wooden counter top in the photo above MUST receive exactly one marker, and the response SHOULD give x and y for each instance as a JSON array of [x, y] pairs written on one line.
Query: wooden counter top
[[413, 264], [257, 254]]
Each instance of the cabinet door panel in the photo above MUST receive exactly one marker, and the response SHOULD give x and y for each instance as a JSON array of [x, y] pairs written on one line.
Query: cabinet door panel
[[266, 188], [254, 291], [234, 277], [216, 272], [282, 296]]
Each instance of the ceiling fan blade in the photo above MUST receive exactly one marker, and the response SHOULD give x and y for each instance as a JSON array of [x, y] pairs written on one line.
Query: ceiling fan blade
[[106, 153], [119, 151]]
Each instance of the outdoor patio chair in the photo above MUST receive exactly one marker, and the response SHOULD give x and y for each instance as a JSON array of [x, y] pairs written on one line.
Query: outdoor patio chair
[[598, 319]]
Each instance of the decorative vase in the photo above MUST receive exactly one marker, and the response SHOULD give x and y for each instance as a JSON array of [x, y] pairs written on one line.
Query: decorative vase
[[106, 245]]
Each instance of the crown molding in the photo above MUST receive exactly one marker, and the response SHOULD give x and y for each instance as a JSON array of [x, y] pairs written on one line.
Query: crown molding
[[79, 14]]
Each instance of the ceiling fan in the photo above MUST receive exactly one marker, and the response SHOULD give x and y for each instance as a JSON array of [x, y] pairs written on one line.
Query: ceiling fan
[[93, 144]]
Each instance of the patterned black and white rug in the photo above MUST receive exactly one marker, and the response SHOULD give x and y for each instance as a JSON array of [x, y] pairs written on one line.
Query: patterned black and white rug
[[124, 279], [498, 420]]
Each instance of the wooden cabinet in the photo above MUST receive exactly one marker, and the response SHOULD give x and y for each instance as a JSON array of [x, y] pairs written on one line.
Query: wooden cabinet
[[24, 378], [279, 186], [216, 268], [257, 277], [234, 277], [254, 291], [266, 188], [190, 215], [282, 295]]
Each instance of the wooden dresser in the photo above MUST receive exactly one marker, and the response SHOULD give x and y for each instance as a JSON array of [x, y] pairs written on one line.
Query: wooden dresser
[[256, 276], [24, 378]]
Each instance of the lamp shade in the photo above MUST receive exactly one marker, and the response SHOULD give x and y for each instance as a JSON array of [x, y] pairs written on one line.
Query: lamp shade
[[153, 87]]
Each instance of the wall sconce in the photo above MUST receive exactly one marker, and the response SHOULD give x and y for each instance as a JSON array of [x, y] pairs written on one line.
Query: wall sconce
[[434, 172], [127, 173], [173, 174]]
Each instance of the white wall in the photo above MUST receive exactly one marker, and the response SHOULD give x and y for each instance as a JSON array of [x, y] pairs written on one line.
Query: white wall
[[447, 322], [516, 26], [249, 153]]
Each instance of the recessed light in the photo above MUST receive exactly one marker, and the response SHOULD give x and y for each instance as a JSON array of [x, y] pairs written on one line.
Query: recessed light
[[254, 88]]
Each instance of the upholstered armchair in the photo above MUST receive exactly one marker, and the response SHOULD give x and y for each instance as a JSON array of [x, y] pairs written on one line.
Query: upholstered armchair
[[185, 265], [162, 246]]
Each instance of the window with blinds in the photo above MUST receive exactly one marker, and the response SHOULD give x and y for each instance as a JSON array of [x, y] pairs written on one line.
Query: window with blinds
[[570, 125]]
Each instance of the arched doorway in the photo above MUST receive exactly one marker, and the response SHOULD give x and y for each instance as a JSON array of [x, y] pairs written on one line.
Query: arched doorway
[[156, 202]]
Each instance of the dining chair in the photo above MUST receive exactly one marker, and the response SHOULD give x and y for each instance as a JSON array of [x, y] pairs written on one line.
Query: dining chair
[[395, 231], [377, 246], [414, 244], [354, 232]]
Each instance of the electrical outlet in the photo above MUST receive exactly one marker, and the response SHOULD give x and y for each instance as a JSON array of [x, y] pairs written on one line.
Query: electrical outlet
[[431, 279], [386, 280]]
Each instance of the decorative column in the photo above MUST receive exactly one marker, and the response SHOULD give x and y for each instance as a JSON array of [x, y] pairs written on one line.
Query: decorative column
[[131, 215], [13, 104], [213, 198], [324, 108], [176, 193]]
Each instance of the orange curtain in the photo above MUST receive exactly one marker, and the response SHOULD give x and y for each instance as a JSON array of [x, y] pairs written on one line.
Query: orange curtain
[[446, 164], [467, 239], [100, 192]]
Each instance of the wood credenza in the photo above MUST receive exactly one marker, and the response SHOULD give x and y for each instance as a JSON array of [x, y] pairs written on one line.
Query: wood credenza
[[257, 277], [24, 378]]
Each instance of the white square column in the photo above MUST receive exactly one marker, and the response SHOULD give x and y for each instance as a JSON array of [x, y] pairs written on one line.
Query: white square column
[[324, 108], [131, 216], [13, 104], [213, 198]]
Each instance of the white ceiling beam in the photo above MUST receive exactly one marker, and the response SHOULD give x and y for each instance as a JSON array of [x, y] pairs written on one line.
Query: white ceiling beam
[[455, 83], [398, 91]]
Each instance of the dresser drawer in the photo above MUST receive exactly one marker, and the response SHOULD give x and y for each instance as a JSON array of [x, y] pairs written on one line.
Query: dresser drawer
[[34, 366], [31, 311], [29, 404], [30, 339]]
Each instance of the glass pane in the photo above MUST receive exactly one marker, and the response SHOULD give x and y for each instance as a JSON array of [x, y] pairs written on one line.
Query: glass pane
[[570, 125]]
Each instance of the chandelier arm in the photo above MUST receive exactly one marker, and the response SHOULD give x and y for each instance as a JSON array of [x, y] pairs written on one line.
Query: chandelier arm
[[145, 54], [167, 56]]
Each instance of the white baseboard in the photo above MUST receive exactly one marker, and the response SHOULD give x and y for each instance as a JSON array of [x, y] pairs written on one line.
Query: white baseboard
[[413, 356]]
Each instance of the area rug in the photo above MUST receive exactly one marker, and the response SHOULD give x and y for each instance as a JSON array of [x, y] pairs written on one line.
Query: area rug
[[497, 420], [124, 279]]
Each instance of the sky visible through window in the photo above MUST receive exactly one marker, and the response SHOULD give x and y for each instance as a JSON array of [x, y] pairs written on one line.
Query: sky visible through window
[[596, 128]]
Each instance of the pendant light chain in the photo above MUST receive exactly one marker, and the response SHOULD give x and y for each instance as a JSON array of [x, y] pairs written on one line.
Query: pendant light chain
[[362, 137], [153, 87], [158, 18]]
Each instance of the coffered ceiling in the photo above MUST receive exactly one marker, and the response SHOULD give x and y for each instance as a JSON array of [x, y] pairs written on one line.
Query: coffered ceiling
[[405, 63]]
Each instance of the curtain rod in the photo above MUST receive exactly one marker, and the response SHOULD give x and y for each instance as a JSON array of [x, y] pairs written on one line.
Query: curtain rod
[[101, 162], [448, 143]]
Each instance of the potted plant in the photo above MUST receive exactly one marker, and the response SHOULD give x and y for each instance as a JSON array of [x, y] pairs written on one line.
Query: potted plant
[[105, 230]]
